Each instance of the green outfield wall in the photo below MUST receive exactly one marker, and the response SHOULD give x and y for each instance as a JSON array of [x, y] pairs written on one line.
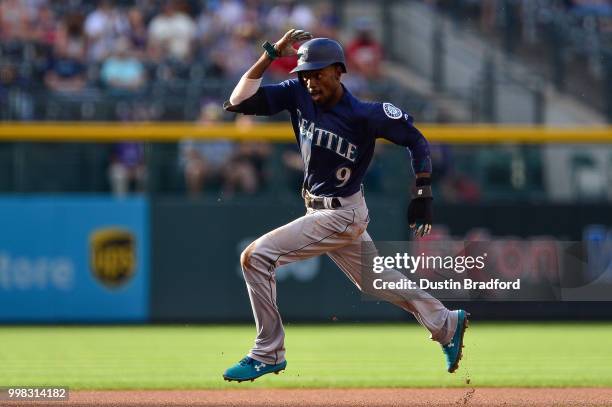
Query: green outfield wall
[[195, 272]]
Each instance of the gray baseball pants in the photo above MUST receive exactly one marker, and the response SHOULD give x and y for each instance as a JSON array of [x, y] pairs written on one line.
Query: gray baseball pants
[[339, 233]]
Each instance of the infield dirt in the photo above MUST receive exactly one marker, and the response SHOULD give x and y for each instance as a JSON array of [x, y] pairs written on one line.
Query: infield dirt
[[342, 397]]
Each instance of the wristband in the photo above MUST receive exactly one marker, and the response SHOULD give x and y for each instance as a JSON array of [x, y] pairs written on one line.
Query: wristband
[[422, 188], [270, 50]]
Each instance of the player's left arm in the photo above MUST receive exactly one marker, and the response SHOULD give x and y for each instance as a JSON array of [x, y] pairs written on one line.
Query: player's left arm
[[391, 123]]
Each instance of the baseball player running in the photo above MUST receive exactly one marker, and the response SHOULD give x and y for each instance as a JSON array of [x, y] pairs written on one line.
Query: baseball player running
[[336, 134]]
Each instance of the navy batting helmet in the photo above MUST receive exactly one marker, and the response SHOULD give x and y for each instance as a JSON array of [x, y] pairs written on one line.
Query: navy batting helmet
[[319, 53]]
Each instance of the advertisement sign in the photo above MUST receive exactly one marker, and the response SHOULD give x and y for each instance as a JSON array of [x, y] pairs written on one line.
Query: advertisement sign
[[564, 263], [79, 259]]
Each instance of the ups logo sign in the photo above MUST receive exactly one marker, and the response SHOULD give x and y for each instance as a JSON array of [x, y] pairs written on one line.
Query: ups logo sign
[[112, 256]]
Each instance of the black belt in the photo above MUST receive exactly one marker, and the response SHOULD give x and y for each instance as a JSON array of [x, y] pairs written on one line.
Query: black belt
[[319, 202]]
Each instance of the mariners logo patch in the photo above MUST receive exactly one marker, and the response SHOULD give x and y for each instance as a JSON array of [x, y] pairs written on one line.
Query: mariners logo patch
[[303, 55], [391, 111]]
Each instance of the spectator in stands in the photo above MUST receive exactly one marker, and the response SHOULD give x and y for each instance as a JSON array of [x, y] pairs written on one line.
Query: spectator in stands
[[364, 53], [293, 166], [8, 79], [230, 14], [172, 34], [232, 167], [205, 162], [127, 171], [45, 26], [226, 18], [33, 7], [326, 21], [215, 68], [234, 53], [71, 41], [289, 13], [21, 105], [102, 27], [209, 30], [66, 73], [148, 8], [248, 166], [122, 72], [8, 74], [137, 31], [13, 20]]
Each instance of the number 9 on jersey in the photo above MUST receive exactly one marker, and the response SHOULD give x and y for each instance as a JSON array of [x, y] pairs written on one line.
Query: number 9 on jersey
[[343, 174]]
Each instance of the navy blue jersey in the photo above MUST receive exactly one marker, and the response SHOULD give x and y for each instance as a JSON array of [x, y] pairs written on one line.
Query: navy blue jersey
[[337, 144]]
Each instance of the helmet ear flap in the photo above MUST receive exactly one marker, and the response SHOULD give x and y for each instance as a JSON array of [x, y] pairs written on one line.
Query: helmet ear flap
[[339, 69], [301, 79]]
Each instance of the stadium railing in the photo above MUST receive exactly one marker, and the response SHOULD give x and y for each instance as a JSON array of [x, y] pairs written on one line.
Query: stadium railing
[[503, 162]]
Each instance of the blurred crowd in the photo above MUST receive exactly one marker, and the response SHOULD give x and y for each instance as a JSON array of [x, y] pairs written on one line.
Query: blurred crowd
[[488, 12], [79, 52], [133, 60], [226, 168], [580, 31], [82, 51], [79, 46]]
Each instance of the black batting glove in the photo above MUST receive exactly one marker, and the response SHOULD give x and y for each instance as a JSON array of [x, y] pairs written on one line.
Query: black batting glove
[[420, 211]]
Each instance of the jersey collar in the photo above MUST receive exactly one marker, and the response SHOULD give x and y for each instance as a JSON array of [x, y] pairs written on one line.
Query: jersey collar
[[344, 100]]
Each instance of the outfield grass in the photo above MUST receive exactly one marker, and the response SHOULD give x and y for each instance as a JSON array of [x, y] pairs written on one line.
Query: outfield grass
[[334, 355]]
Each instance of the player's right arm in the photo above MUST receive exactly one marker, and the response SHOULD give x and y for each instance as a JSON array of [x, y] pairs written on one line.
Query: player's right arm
[[249, 97]]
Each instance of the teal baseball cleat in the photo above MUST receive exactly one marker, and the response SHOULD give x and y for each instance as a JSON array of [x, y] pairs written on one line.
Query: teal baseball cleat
[[454, 349], [250, 369]]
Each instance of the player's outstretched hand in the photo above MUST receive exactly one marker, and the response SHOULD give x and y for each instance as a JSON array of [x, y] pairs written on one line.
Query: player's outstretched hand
[[420, 211], [284, 46]]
